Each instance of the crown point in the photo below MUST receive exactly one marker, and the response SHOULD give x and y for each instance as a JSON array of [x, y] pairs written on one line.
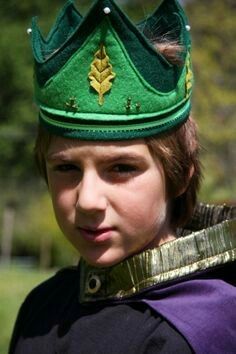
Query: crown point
[[29, 31], [188, 28], [107, 10]]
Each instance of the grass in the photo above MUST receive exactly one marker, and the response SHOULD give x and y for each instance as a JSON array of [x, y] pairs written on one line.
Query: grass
[[15, 284]]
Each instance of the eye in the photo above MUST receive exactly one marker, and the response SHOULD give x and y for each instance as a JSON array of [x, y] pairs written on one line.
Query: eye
[[124, 168], [66, 168]]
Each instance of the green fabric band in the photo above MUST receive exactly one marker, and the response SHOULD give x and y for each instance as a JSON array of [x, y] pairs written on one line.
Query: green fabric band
[[107, 132]]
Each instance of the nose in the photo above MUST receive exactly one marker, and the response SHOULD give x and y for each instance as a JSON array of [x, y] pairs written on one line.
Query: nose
[[91, 194]]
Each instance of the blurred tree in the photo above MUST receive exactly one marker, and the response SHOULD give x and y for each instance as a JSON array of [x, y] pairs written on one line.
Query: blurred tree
[[40, 236], [214, 55]]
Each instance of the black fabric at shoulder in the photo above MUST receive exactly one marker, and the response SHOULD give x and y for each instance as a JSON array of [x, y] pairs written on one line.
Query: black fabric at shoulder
[[50, 290], [166, 340], [55, 283], [128, 328], [157, 335]]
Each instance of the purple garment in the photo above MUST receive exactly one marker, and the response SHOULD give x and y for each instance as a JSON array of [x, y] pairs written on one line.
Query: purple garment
[[204, 312]]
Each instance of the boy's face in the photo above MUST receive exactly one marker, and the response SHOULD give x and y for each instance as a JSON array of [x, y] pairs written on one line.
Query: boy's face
[[109, 198]]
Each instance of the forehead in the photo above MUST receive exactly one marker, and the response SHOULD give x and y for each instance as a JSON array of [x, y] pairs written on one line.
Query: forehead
[[64, 146]]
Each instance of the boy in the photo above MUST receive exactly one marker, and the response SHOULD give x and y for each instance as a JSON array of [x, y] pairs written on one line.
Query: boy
[[119, 152]]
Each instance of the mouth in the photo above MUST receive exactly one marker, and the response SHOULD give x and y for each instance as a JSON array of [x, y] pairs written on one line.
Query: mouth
[[98, 235]]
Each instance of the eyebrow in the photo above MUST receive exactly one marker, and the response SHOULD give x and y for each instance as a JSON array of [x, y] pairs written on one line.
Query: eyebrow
[[57, 156], [108, 158], [123, 157]]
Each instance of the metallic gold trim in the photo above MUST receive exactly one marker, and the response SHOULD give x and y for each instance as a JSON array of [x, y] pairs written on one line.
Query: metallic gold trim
[[199, 251]]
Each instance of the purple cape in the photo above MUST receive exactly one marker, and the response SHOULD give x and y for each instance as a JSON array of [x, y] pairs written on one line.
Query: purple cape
[[203, 311]]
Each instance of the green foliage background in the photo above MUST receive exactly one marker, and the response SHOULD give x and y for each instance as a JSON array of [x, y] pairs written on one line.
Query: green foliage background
[[214, 52]]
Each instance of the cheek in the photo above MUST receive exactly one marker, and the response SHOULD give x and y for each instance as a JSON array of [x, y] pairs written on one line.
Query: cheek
[[63, 199], [64, 210], [148, 215], [142, 205]]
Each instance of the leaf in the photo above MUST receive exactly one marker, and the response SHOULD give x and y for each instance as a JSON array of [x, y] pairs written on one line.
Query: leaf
[[189, 77], [101, 73]]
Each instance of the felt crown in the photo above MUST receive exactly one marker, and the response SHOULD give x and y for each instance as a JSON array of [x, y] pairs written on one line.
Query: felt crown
[[100, 77]]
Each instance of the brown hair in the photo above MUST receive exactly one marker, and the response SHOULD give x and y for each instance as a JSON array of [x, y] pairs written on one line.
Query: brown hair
[[171, 50], [178, 152], [42, 143]]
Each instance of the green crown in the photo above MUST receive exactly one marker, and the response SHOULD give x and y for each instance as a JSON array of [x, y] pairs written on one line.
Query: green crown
[[100, 77]]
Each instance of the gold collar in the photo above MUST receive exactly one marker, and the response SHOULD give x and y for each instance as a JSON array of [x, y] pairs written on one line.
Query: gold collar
[[184, 256]]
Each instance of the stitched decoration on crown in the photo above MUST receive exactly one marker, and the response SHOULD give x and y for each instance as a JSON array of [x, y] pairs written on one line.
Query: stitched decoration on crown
[[101, 73], [72, 105]]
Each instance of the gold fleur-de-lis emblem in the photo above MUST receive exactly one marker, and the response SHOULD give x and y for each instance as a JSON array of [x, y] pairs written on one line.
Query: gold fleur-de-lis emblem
[[101, 74]]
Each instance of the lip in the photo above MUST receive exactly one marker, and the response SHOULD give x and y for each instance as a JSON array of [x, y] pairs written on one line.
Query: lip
[[96, 235]]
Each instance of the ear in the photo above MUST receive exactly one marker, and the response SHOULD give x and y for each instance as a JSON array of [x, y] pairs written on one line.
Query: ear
[[191, 172]]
